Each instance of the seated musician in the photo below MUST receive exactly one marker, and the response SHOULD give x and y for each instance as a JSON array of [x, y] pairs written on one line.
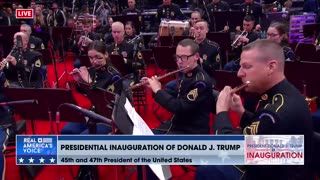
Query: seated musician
[[247, 35], [209, 50], [130, 31], [169, 10], [120, 46], [196, 15], [191, 103], [7, 125], [24, 67], [278, 32], [252, 8], [281, 110], [101, 75], [131, 10], [35, 43], [218, 5]]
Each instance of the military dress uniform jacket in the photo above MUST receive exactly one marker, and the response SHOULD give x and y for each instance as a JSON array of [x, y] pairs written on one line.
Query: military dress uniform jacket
[[220, 6], [210, 53], [192, 105], [125, 50], [36, 43], [280, 110], [253, 9], [172, 12], [105, 77], [28, 72]]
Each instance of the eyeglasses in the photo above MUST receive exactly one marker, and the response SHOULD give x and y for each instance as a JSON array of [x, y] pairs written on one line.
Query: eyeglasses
[[183, 58], [272, 35]]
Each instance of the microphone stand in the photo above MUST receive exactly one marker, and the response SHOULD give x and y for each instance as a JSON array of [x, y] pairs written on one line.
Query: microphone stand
[[85, 171]]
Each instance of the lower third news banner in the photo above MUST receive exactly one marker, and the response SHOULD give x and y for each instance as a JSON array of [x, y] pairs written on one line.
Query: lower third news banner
[[164, 150]]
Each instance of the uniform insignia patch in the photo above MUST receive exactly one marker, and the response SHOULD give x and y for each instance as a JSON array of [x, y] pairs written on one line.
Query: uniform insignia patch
[[192, 95], [218, 58], [37, 63], [32, 46], [111, 88], [205, 57]]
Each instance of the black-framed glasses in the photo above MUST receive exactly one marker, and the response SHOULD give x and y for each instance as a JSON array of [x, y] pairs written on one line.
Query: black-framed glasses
[[183, 58]]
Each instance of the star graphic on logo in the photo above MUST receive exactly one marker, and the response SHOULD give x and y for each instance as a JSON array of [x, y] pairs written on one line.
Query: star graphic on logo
[[41, 160], [31, 160], [52, 160], [21, 160]]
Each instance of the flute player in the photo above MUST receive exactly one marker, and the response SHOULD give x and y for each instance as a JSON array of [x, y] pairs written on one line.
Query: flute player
[[192, 102]]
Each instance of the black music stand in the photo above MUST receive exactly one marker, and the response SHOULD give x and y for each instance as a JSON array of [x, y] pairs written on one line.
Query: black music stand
[[235, 19], [48, 56], [47, 103], [172, 40], [101, 99], [118, 62], [224, 41], [6, 38], [310, 30], [136, 19], [219, 20], [164, 57]]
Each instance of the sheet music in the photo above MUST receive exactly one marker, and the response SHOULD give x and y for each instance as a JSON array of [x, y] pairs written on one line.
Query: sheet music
[[141, 128]]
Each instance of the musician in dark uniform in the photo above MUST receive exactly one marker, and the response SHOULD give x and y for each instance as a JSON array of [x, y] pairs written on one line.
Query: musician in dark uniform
[[169, 10], [101, 75], [35, 43], [191, 103], [278, 32], [131, 10], [25, 67], [248, 35], [209, 50], [252, 8], [218, 5], [281, 110], [7, 124], [120, 46]]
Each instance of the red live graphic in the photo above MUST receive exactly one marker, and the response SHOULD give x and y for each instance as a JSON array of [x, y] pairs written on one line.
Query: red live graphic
[[24, 13]]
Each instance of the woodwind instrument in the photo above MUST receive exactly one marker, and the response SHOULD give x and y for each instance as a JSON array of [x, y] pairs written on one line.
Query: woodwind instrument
[[5, 61], [158, 78], [238, 88]]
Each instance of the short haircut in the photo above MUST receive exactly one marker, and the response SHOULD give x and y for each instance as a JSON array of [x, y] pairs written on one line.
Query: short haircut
[[189, 42], [268, 50], [248, 18], [117, 23], [204, 21], [98, 46], [27, 26], [198, 10]]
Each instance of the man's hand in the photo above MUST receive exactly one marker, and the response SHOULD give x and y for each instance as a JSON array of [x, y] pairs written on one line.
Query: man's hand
[[12, 60], [81, 74], [152, 83], [236, 104], [224, 100]]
